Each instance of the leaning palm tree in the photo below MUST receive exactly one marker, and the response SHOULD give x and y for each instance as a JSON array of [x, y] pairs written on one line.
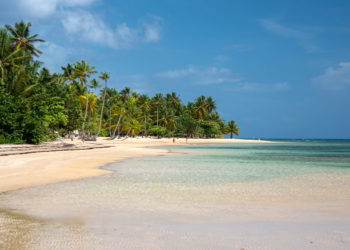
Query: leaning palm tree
[[83, 71], [132, 126], [232, 128], [21, 38], [104, 76], [120, 112]]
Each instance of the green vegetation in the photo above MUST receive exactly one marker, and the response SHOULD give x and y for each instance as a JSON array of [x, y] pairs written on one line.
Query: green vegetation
[[37, 106]]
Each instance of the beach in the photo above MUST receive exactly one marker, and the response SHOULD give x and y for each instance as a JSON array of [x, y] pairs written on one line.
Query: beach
[[29, 165], [199, 195]]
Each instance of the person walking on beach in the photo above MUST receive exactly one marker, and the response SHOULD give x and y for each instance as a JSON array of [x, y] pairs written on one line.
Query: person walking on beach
[[173, 140]]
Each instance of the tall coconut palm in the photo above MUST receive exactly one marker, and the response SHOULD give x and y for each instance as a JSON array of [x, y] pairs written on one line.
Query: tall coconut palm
[[201, 108], [104, 76], [168, 120], [125, 93], [94, 84], [211, 104], [112, 96], [21, 37], [173, 100], [232, 128], [68, 73], [83, 71], [158, 100], [8, 57], [145, 107], [120, 112]]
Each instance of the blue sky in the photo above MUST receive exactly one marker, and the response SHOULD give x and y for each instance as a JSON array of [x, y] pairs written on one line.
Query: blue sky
[[279, 68]]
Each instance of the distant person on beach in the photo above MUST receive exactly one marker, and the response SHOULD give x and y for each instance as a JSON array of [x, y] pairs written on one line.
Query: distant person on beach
[[173, 140]]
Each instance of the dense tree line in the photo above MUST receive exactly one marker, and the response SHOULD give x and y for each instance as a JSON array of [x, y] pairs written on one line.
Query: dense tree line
[[37, 106]]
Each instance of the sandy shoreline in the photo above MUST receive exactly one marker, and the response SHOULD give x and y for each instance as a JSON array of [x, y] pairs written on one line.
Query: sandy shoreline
[[26, 165]]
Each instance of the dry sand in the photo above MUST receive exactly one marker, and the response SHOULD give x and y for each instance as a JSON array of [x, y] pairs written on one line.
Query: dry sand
[[27, 165]]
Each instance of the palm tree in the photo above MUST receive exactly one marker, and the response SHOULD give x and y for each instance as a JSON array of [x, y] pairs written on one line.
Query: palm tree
[[68, 73], [125, 93], [94, 84], [8, 58], [211, 104], [173, 100], [146, 107], [21, 38], [112, 96], [201, 108], [121, 111], [83, 71], [132, 126], [157, 101], [169, 120], [232, 128], [104, 76]]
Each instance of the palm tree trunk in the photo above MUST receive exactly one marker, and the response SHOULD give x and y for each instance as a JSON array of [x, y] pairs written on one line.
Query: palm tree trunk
[[145, 126], [231, 135], [157, 115], [103, 104], [86, 110], [110, 128], [117, 126]]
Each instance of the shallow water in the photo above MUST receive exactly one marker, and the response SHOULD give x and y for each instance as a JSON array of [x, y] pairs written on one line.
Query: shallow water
[[226, 196]]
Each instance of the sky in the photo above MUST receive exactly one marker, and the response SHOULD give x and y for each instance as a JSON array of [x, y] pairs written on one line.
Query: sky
[[280, 69]]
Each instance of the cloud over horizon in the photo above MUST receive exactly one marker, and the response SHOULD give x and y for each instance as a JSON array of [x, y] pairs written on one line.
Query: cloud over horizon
[[219, 75], [334, 78], [303, 39], [205, 76]]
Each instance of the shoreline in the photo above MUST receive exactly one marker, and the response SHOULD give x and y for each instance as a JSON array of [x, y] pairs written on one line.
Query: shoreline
[[26, 166]]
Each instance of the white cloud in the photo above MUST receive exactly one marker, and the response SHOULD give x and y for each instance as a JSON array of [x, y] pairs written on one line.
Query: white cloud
[[178, 73], [259, 87], [90, 28], [83, 25], [304, 39], [206, 76], [54, 55], [152, 27], [45, 8], [334, 78], [217, 75]]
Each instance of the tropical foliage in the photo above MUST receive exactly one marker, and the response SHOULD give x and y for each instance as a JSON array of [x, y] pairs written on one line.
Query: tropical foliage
[[36, 105]]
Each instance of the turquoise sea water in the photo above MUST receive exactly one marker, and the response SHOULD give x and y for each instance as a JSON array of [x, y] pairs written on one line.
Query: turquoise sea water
[[227, 163], [204, 196]]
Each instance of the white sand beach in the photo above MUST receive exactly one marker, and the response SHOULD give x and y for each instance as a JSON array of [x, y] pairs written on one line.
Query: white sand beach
[[146, 203]]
